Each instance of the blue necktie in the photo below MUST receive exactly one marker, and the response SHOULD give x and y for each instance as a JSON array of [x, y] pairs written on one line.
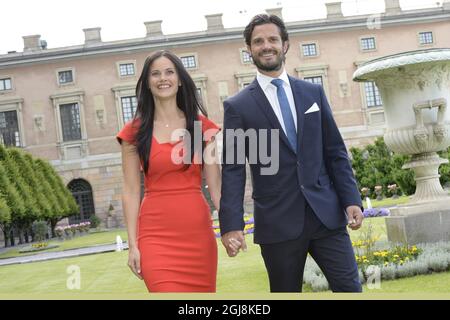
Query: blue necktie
[[288, 119]]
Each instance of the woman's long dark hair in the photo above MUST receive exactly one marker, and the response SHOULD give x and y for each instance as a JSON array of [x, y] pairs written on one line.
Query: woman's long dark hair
[[187, 101]]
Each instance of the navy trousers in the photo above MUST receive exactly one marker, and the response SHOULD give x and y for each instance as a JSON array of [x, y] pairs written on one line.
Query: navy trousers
[[331, 249]]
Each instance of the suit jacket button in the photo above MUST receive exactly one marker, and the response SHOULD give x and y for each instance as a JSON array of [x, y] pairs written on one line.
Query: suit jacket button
[[298, 163], [303, 187]]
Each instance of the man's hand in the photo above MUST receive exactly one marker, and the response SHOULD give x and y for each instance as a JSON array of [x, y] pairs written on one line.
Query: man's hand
[[355, 217], [233, 241]]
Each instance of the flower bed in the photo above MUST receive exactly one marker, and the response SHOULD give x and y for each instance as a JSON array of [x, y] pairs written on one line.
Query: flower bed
[[397, 255], [376, 212], [38, 247], [249, 226], [69, 231], [390, 263]]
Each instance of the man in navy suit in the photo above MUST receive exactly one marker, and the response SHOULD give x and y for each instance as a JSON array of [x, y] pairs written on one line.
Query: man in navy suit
[[306, 205]]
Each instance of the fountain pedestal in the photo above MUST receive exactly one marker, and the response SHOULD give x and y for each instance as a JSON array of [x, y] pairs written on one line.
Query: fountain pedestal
[[415, 88]]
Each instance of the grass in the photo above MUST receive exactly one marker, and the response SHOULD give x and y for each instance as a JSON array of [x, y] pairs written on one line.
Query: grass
[[387, 202], [109, 237], [433, 283], [108, 273], [97, 238]]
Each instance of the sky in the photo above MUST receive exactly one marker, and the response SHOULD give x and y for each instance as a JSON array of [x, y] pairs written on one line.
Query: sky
[[61, 22]]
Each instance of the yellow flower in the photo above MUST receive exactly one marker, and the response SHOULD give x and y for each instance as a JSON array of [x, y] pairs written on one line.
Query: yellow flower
[[366, 261]]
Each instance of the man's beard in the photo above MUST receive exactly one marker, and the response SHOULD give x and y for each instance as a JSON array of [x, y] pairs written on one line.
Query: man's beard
[[275, 66]]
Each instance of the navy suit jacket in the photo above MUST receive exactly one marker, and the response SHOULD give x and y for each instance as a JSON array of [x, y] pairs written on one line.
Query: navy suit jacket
[[319, 172]]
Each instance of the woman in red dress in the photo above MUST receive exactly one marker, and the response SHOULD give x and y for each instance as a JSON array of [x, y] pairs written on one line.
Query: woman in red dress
[[172, 245]]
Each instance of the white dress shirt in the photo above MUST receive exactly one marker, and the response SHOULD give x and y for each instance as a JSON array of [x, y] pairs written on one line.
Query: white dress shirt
[[271, 93]]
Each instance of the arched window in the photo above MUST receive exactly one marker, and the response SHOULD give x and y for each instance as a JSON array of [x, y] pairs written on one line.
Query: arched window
[[82, 192]]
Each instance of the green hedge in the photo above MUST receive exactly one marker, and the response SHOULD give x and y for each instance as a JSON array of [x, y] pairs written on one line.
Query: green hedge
[[377, 165], [30, 190]]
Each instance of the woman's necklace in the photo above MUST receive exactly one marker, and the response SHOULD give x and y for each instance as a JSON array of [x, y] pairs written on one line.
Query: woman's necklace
[[166, 125]]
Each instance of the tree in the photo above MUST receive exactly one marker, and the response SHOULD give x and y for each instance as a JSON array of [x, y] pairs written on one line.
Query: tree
[[377, 165], [5, 213], [67, 204], [21, 223], [28, 173], [13, 202], [50, 195]]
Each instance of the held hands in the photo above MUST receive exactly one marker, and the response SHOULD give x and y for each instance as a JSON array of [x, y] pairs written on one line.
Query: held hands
[[355, 217], [134, 261], [233, 241]]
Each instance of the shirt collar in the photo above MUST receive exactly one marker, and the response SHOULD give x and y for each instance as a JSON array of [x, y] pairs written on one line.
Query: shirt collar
[[264, 81]]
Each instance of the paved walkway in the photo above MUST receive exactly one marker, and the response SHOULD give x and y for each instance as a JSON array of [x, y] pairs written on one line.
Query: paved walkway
[[61, 254]]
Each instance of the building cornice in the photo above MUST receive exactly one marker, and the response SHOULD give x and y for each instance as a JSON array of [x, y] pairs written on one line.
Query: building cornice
[[204, 37]]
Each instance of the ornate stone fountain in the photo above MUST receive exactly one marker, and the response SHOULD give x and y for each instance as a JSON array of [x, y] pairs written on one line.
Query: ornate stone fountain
[[415, 88]]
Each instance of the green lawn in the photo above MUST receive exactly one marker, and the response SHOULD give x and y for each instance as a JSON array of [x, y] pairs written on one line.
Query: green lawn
[[387, 202], [108, 273], [92, 239], [109, 237], [434, 283]]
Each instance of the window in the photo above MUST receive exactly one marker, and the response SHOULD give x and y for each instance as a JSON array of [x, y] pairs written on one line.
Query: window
[[199, 95], [189, 62], [246, 57], [309, 50], [126, 69], [65, 76], [5, 84], [368, 44], [82, 192], [315, 73], [70, 122], [426, 37], [316, 80], [9, 129], [129, 106], [373, 98], [243, 80]]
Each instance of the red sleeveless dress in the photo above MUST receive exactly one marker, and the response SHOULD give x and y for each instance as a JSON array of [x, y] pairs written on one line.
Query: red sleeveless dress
[[175, 236]]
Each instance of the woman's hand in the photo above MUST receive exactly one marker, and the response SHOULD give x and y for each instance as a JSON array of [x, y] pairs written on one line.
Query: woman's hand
[[134, 261]]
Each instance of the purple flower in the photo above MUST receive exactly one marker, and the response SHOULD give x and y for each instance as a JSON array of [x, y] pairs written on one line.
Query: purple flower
[[376, 212]]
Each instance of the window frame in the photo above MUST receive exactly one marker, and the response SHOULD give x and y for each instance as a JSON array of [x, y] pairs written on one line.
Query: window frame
[[187, 55], [308, 43], [375, 90], [366, 37], [77, 105], [126, 62], [15, 104], [65, 84], [315, 70], [17, 134], [11, 84], [433, 41], [242, 52], [65, 147], [131, 106], [314, 77]]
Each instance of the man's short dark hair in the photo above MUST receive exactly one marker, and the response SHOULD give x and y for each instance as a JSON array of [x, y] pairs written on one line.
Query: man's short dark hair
[[265, 19]]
